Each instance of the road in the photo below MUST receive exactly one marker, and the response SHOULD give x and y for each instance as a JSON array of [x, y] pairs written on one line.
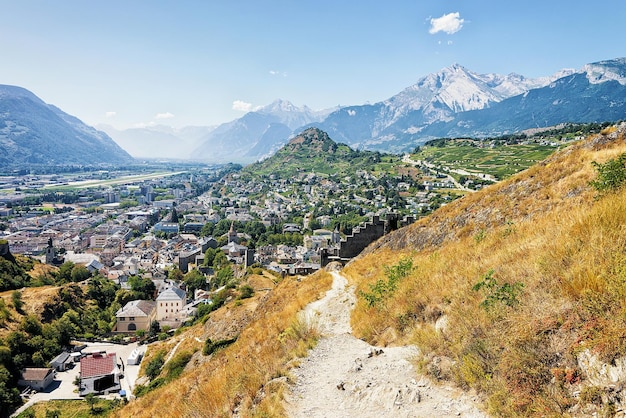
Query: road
[[63, 386], [407, 159]]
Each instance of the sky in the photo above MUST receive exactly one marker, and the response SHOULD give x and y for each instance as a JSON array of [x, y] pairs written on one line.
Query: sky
[[136, 63]]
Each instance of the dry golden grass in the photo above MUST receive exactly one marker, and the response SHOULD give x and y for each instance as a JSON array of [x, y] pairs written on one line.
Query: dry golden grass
[[246, 376], [34, 298], [544, 229]]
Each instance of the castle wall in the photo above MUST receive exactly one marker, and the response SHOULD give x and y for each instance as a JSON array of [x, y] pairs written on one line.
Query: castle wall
[[363, 236]]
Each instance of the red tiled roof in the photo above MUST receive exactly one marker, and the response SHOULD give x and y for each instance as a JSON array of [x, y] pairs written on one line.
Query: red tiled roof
[[97, 365]]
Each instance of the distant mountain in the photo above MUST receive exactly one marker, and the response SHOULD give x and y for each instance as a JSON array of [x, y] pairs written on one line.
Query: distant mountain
[[159, 141], [452, 102], [257, 134], [434, 98], [458, 102], [35, 133]]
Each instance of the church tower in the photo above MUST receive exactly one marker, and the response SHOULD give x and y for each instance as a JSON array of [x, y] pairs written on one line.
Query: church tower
[[232, 234]]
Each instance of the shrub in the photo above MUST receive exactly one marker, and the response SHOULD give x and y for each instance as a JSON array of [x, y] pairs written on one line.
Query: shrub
[[611, 175], [212, 346], [382, 289], [495, 293], [246, 291], [153, 368], [177, 364]]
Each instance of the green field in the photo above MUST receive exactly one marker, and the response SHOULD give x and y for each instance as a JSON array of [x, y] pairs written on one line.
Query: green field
[[500, 161], [85, 184]]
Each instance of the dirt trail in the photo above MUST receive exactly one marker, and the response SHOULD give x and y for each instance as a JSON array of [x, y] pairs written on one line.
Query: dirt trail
[[346, 377]]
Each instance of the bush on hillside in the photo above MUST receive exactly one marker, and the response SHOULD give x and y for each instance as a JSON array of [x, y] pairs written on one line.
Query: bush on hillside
[[611, 175]]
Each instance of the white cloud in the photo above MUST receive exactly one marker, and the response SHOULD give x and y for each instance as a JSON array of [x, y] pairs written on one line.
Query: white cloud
[[242, 106], [165, 115], [278, 73], [110, 114], [450, 23]]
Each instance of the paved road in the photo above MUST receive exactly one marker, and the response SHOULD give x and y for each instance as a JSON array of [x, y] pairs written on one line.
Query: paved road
[[63, 386]]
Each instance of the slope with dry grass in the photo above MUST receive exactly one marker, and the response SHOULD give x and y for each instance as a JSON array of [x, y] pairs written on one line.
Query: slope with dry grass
[[511, 284], [247, 377]]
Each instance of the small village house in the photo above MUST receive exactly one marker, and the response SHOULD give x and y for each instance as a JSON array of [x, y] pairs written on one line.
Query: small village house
[[135, 315], [36, 378], [99, 374]]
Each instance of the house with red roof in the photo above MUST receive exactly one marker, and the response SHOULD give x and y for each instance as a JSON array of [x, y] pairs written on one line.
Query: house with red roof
[[99, 374]]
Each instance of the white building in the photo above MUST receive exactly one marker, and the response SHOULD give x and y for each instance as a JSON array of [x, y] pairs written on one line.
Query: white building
[[170, 302]]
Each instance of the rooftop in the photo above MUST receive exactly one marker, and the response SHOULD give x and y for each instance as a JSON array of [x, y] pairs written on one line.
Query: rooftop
[[98, 365]]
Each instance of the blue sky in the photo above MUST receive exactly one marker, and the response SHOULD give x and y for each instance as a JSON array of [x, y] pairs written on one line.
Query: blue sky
[[139, 62]]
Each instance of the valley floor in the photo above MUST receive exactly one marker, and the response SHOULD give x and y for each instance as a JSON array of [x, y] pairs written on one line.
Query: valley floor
[[344, 376]]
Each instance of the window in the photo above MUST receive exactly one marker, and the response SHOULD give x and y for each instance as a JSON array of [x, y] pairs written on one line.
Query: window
[[132, 318], [122, 318]]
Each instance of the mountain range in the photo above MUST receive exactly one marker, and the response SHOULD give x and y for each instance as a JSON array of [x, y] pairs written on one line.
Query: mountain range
[[35, 133], [453, 102]]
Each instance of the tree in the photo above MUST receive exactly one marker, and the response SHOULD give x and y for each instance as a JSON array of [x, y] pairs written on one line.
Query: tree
[[175, 275], [155, 328], [194, 280], [80, 273], [64, 274], [102, 291], [9, 396], [91, 400], [174, 215], [207, 229], [142, 285], [209, 256], [16, 297], [220, 260]]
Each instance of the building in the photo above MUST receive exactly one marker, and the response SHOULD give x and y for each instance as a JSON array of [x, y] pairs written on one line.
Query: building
[[169, 303], [62, 362], [135, 315], [167, 227], [36, 378], [99, 374]]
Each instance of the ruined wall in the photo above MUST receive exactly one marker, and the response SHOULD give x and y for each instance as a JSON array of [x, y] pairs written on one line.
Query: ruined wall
[[361, 237]]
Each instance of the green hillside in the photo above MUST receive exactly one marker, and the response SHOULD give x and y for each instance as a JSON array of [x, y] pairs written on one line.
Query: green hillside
[[314, 151]]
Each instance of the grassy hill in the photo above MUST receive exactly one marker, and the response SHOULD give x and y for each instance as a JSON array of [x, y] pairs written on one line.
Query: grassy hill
[[516, 291], [314, 151]]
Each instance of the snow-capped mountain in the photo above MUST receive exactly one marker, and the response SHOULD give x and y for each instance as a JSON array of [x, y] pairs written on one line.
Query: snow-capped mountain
[[602, 71], [257, 133], [434, 98], [456, 101], [452, 102]]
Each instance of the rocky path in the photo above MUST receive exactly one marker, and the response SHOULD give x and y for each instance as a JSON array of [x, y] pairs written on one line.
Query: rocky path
[[346, 377]]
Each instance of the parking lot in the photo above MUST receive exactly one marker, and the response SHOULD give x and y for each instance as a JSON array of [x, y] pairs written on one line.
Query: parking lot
[[63, 386]]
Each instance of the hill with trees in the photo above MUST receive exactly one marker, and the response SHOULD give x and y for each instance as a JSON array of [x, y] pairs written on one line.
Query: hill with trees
[[313, 151]]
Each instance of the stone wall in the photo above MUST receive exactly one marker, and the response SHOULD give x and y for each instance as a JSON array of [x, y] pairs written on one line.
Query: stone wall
[[362, 236]]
